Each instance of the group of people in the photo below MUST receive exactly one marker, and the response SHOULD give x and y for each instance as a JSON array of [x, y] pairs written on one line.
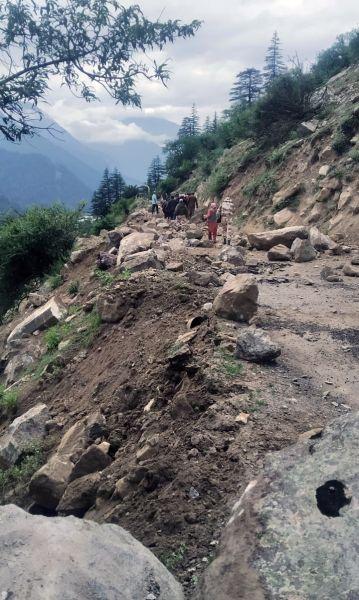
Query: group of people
[[183, 206], [175, 206]]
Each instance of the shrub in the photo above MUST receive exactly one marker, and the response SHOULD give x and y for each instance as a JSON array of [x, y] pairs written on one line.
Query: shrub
[[31, 459], [30, 244], [52, 338], [8, 401], [54, 281], [340, 142], [74, 288], [354, 154], [104, 277]]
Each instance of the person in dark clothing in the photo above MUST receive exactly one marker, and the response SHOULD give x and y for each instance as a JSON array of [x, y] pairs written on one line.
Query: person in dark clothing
[[171, 207], [192, 204], [181, 209]]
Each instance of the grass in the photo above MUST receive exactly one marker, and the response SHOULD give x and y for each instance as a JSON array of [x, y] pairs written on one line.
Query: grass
[[54, 281], [125, 274], [340, 142], [264, 185], [104, 277], [280, 154], [354, 154], [172, 559], [229, 365], [30, 461], [8, 401]]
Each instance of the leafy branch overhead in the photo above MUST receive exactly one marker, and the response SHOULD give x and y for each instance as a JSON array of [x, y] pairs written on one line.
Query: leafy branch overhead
[[89, 45]]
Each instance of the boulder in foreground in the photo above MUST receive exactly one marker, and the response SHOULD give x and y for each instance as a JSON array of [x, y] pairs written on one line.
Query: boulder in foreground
[[69, 558], [287, 531], [256, 346], [237, 300], [302, 251]]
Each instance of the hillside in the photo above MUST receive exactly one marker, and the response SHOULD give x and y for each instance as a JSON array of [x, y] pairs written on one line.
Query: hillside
[[312, 178]]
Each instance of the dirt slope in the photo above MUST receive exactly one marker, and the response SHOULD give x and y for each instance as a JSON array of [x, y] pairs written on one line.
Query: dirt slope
[[199, 456]]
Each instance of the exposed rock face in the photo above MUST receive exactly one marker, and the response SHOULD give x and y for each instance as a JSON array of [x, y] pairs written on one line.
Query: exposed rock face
[[302, 251], [267, 239], [237, 300], [26, 429], [287, 193], [345, 198], [69, 558], [288, 529], [45, 316], [282, 217], [133, 243], [256, 346], [141, 261], [279, 252]]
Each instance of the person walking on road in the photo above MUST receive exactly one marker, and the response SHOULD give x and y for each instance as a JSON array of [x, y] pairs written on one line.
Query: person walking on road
[[212, 222], [181, 210], [192, 204], [154, 203]]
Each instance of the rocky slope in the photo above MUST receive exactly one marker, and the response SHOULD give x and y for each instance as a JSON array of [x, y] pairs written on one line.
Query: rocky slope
[[150, 393], [310, 179]]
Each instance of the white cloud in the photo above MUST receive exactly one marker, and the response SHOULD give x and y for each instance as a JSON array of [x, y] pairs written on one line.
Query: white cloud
[[235, 34]]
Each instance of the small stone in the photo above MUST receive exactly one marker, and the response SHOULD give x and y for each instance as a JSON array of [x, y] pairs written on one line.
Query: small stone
[[242, 418]]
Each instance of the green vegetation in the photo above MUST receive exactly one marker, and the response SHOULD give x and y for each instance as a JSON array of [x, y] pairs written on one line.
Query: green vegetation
[[264, 185], [125, 274], [354, 154], [89, 46], [31, 245], [54, 281], [20, 474], [265, 123], [347, 127], [229, 365], [74, 288], [105, 278], [172, 559], [8, 402]]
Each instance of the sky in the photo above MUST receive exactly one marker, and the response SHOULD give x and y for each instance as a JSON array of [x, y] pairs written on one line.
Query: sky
[[234, 35]]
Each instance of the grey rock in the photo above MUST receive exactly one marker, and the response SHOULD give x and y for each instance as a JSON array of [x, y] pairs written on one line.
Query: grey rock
[[279, 252], [237, 300], [203, 278], [116, 235], [133, 243], [79, 496], [302, 251], [355, 259], [49, 483], [23, 431], [287, 531], [92, 460], [68, 559], [287, 193], [256, 346], [43, 317], [265, 240], [234, 256], [350, 271], [320, 241], [194, 234], [141, 261]]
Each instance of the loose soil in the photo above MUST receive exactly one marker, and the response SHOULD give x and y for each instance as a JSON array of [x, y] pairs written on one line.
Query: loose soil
[[201, 457]]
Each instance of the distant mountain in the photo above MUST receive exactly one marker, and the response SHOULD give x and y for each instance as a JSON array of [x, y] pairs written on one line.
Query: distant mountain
[[34, 179], [133, 157], [57, 167]]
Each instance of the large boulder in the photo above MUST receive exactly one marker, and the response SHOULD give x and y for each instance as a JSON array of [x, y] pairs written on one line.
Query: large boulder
[[320, 241], [302, 251], [237, 300], [94, 459], [279, 252], [116, 235], [133, 243], [256, 346], [267, 239], [49, 483], [43, 317], [79, 496], [287, 531], [203, 278], [283, 217], [141, 261], [68, 558], [112, 308], [285, 194], [27, 429]]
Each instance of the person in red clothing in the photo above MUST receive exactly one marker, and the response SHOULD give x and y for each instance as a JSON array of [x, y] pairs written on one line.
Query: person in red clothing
[[212, 222]]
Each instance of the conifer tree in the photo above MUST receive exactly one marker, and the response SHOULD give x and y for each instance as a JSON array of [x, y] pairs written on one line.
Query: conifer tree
[[118, 185], [185, 129], [247, 87], [207, 125], [214, 125], [194, 121], [102, 198], [155, 173], [274, 64]]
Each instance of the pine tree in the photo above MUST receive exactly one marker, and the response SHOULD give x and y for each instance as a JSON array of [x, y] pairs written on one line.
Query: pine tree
[[102, 198], [214, 125], [155, 174], [247, 87], [194, 121], [185, 129], [118, 185], [207, 125], [274, 64]]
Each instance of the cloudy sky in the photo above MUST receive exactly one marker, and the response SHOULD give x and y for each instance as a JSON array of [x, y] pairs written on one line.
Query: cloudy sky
[[235, 35]]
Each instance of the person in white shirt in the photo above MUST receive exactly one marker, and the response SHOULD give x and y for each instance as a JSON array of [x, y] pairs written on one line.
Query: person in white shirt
[[154, 203]]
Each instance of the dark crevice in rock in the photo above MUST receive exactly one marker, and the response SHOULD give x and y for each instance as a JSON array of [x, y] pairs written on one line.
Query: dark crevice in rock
[[331, 498]]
